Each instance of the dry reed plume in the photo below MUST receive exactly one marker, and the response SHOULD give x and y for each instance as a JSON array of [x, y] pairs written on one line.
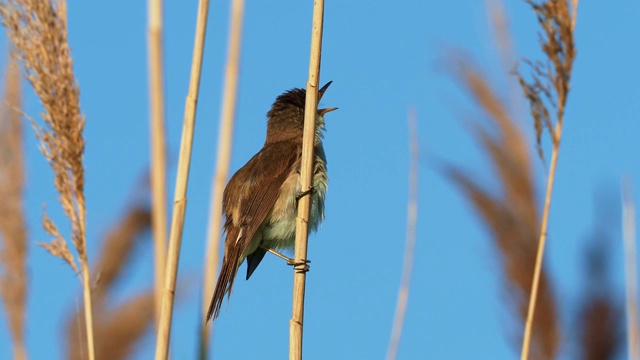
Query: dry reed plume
[[38, 32], [117, 328], [13, 227], [600, 316], [549, 86], [512, 215], [118, 248], [547, 92]]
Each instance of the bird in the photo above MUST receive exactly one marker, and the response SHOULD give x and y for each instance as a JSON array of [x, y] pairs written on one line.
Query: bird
[[260, 200]]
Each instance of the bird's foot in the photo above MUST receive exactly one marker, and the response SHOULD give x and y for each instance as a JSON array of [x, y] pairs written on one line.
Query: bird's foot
[[281, 256], [310, 191], [300, 266]]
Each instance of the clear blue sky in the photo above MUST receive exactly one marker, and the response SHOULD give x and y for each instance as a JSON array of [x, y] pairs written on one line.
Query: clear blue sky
[[384, 57]]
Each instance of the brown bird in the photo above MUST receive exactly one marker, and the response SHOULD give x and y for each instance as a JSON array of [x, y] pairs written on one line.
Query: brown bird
[[260, 201]]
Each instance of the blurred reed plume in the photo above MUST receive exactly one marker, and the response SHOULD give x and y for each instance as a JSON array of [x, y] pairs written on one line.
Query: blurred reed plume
[[117, 249], [600, 318], [13, 227], [512, 215], [117, 328], [547, 92], [38, 32]]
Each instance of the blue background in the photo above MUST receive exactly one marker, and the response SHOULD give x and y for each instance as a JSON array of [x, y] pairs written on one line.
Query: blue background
[[384, 58]]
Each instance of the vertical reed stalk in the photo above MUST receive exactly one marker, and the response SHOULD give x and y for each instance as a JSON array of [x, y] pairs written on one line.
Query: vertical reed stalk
[[631, 269], [412, 220], [88, 308], [80, 219], [302, 221], [158, 150], [541, 242], [557, 19], [182, 177], [13, 227], [225, 139]]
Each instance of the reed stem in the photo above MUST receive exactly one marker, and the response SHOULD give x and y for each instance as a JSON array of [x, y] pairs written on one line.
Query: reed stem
[[225, 140], [158, 151], [182, 179], [302, 221]]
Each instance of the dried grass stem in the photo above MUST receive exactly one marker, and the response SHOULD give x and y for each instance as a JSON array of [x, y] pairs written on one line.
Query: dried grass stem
[[158, 149], [182, 178], [225, 139], [302, 226]]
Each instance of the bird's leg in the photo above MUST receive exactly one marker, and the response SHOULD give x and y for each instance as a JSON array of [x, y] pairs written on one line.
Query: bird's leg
[[283, 257], [310, 191], [304, 264]]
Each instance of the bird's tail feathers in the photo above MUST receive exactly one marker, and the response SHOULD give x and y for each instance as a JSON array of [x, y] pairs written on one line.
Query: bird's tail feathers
[[225, 281]]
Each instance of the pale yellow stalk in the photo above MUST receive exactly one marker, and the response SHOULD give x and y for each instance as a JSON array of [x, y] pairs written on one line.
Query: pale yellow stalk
[[302, 221], [13, 228], [158, 150], [180, 195], [542, 240], [225, 139], [557, 19]]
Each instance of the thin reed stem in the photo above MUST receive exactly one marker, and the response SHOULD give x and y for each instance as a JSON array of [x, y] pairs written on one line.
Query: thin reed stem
[[631, 270], [542, 240], [14, 279], [88, 308], [158, 150], [557, 19], [225, 139], [302, 221], [412, 220], [182, 178]]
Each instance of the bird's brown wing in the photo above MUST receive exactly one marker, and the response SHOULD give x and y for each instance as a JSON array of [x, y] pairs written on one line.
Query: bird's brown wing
[[255, 200]]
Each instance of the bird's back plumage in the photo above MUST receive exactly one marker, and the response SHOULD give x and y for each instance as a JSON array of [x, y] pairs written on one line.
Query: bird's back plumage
[[246, 210]]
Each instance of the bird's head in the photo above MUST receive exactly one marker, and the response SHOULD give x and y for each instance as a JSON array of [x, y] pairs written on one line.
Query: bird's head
[[286, 117]]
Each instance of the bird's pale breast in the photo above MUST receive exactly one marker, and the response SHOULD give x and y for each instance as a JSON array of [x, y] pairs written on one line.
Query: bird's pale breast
[[278, 230]]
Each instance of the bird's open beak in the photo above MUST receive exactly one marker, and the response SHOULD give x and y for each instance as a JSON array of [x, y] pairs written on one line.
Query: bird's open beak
[[324, 111], [323, 89]]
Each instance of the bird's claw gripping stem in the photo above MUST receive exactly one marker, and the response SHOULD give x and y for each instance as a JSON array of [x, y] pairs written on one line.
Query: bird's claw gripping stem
[[310, 191], [301, 266]]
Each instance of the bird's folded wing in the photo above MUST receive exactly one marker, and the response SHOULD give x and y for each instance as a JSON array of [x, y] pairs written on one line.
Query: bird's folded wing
[[268, 170]]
